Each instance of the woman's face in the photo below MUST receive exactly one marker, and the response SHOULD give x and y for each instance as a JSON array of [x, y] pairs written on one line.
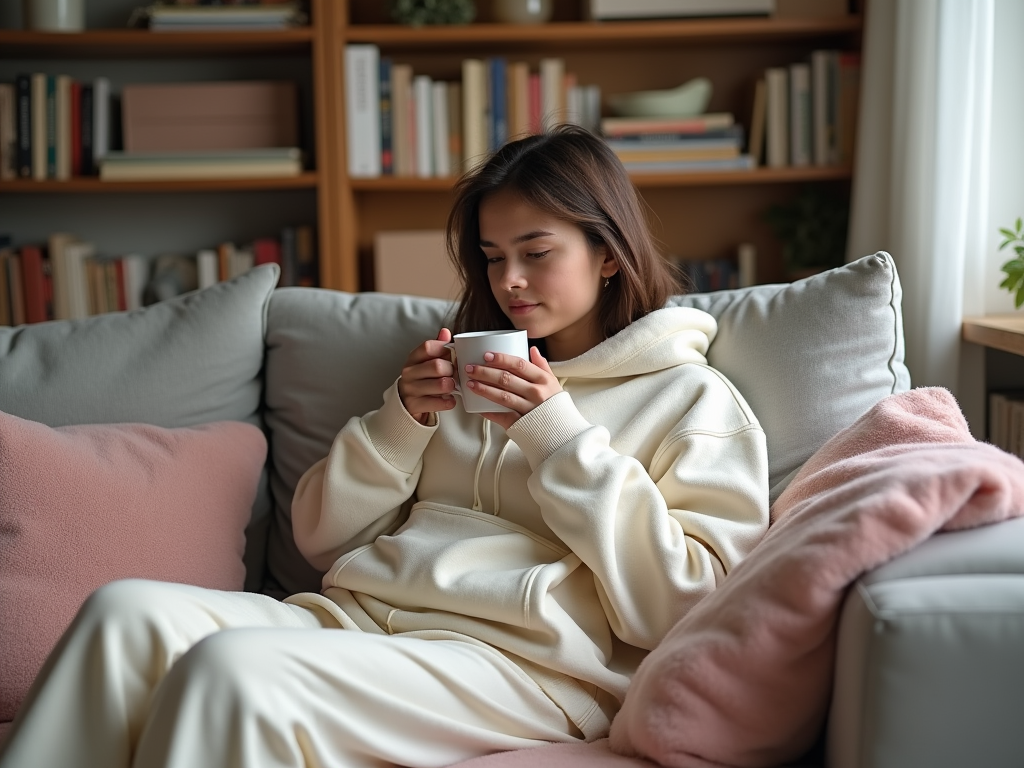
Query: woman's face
[[543, 274]]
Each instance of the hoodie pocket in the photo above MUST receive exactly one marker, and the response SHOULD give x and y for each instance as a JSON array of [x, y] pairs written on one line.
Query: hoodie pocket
[[451, 559]]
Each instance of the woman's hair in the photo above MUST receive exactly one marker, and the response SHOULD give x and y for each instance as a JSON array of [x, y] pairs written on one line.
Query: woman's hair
[[572, 175]]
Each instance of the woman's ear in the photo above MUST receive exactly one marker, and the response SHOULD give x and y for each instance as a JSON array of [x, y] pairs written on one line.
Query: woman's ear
[[609, 264]]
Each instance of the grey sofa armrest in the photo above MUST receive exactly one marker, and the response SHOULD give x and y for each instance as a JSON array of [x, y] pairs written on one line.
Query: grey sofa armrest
[[930, 658]]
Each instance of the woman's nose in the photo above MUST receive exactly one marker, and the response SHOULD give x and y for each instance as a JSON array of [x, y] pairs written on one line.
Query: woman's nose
[[511, 277]]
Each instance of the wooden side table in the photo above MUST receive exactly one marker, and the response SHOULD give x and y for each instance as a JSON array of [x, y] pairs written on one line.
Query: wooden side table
[[1005, 332]]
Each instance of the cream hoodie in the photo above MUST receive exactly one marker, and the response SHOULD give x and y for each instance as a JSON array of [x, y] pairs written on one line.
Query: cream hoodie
[[572, 543]]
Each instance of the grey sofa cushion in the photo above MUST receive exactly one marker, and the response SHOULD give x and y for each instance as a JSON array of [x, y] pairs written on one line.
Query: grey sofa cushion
[[330, 356], [924, 639], [812, 356], [189, 360]]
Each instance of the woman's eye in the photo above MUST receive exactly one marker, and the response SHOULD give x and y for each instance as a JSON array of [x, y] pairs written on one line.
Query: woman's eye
[[540, 255], [494, 259]]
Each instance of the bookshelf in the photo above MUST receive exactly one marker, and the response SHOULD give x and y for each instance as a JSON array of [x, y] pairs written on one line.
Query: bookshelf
[[1003, 332], [694, 215], [156, 217]]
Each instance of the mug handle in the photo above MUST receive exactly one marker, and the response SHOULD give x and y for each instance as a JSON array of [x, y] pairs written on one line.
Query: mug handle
[[450, 346]]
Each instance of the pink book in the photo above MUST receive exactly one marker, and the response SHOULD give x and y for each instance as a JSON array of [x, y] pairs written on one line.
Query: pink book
[[534, 102]]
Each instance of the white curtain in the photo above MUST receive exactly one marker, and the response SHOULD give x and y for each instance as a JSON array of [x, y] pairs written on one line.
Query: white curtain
[[921, 179]]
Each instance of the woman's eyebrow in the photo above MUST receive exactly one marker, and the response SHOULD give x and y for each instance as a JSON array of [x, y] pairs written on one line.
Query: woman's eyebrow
[[519, 238]]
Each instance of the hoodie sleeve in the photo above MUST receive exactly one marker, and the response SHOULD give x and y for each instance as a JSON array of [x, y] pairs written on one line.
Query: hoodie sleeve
[[656, 539], [357, 491]]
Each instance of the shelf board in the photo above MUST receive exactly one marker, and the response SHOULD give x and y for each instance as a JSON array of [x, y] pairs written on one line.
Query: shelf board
[[131, 43], [1003, 332], [707, 179], [306, 180], [579, 34]]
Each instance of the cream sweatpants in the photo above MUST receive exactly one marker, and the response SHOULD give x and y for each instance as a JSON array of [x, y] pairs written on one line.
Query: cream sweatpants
[[152, 674]]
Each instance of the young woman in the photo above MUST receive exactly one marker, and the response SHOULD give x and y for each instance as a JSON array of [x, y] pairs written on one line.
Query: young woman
[[493, 582]]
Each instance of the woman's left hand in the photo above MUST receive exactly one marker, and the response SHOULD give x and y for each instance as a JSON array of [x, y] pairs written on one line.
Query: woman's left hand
[[515, 383]]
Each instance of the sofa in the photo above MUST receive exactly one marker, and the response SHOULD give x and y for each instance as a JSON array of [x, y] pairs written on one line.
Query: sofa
[[166, 443]]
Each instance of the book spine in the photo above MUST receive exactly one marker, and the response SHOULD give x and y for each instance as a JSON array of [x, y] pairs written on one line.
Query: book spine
[[387, 167], [498, 102], [401, 98], [119, 286], [62, 128], [755, 146], [23, 118], [5, 290], [362, 106], [207, 268], [305, 252], [849, 97], [85, 139], [439, 129], [534, 105], [552, 84], [777, 114], [33, 284], [75, 135], [474, 106], [800, 120], [518, 99], [819, 105], [289, 258], [51, 126], [101, 119], [38, 126], [423, 89], [455, 125]]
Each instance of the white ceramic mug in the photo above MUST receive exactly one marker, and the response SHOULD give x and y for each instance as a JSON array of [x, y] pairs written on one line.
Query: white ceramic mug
[[469, 348], [54, 15]]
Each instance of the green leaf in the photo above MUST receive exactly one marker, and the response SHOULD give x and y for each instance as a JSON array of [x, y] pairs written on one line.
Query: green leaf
[[1020, 297], [1008, 234], [1018, 223]]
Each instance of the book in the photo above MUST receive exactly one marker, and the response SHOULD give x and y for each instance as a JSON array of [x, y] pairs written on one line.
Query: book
[[240, 164], [498, 102], [33, 284], [660, 154], [223, 17], [75, 129], [135, 269], [8, 132], [423, 99], [289, 259], [387, 167], [401, 127], [305, 256], [62, 128], [5, 291], [746, 262], [535, 103], [706, 275], [800, 115], [620, 126], [455, 126], [23, 118], [823, 84], [102, 109], [474, 119], [51, 126], [88, 160], [727, 137], [77, 255], [439, 129], [362, 110], [38, 101], [758, 112], [592, 108], [16, 288], [56, 246], [848, 104], [674, 9], [518, 99], [207, 268], [777, 117], [552, 93], [741, 163]]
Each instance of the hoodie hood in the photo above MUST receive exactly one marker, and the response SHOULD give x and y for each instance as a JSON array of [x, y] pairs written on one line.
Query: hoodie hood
[[663, 339]]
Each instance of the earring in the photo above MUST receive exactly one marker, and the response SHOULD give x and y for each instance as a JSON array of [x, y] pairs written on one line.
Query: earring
[[607, 281]]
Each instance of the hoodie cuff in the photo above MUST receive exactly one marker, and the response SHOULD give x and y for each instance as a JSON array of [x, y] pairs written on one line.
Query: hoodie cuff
[[547, 428], [396, 435]]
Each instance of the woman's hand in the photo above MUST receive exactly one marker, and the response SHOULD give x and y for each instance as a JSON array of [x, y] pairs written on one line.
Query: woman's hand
[[427, 379], [515, 383]]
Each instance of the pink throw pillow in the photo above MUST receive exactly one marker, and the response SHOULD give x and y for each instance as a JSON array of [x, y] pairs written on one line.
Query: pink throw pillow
[[82, 506]]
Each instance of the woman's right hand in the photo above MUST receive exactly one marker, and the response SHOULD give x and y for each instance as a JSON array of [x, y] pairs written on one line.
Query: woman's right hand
[[426, 381]]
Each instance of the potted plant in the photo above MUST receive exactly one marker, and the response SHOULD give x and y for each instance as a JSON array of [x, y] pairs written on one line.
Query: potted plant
[[416, 13], [1014, 268]]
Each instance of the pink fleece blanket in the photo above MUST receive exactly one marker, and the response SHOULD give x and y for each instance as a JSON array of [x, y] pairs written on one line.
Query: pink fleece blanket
[[744, 679]]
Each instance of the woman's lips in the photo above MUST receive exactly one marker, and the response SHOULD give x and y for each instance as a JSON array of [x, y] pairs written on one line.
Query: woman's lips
[[520, 307]]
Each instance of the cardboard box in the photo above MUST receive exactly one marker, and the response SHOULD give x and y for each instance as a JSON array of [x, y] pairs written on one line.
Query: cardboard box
[[175, 117], [415, 263]]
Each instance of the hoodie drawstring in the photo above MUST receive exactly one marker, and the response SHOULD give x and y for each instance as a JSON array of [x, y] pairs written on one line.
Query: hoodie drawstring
[[477, 504]]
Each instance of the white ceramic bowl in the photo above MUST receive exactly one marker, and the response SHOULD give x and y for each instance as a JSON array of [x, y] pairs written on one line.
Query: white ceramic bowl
[[689, 99]]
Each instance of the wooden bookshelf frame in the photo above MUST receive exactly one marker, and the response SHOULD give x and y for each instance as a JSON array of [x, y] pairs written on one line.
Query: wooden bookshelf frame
[[79, 185], [141, 43], [1003, 332]]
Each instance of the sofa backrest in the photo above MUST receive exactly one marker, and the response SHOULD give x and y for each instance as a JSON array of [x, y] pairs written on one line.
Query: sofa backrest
[[810, 357]]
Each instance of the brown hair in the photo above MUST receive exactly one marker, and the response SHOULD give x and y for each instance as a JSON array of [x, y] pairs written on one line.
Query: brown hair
[[571, 174]]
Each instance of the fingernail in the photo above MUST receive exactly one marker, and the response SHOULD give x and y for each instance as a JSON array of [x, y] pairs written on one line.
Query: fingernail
[[488, 356], [471, 384], [469, 369]]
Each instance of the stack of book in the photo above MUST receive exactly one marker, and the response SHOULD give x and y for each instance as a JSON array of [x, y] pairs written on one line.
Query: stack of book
[[218, 164], [54, 127], [208, 17], [1006, 421], [403, 123], [709, 142], [66, 278], [703, 276], [806, 114]]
